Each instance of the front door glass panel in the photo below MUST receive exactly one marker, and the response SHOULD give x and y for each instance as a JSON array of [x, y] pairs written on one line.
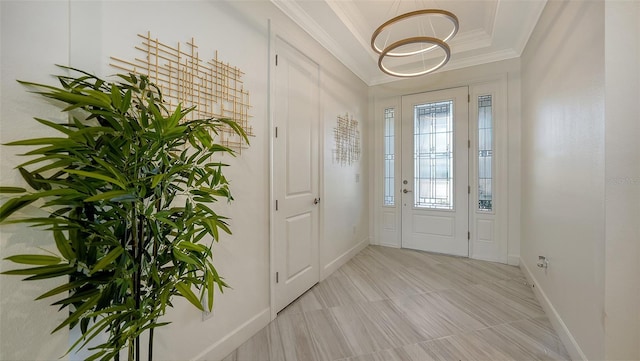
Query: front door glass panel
[[433, 155]]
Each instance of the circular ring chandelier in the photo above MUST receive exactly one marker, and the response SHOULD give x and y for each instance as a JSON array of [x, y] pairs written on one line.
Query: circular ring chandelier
[[393, 50], [435, 42]]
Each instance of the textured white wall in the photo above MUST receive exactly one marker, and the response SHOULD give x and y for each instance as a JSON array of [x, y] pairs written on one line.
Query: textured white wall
[[563, 141], [84, 34]]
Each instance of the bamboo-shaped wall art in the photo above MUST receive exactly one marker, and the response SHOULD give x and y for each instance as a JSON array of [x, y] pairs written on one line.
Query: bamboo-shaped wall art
[[347, 138], [214, 87]]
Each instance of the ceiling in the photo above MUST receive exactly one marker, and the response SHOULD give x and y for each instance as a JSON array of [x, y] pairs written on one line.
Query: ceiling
[[489, 30]]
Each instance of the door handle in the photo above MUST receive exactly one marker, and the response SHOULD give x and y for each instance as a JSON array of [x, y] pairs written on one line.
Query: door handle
[[406, 191], [316, 200]]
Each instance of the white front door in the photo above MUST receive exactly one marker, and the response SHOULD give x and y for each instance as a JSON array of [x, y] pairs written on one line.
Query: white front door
[[295, 173], [435, 171]]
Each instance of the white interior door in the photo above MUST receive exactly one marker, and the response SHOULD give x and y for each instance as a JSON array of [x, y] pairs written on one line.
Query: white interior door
[[295, 173], [435, 171]]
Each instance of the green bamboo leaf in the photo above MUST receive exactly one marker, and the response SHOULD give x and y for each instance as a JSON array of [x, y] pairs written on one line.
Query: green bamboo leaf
[[156, 179], [63, 245], [92, 332], [167, 221], [78, 296], [62, 163], [236, 128], [37, 270], [78, 312], [110, 168], [96, 176], [107, 259], [116, 97], [35, 259], [126, 102], [41, 141], [107, 195], [63, 288], [181, 256], [185, 291], [30, 179], [46, 158], [12, 190], [80, 100], [59, 127], [27, 83], [192, 246], [13, 205], [63, 271]]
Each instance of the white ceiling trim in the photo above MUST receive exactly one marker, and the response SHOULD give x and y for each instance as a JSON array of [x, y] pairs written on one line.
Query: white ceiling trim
[[293, 10], [355, 23]]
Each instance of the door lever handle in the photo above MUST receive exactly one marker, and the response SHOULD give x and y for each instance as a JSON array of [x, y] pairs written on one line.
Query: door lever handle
[[316, 200], [406, 191]]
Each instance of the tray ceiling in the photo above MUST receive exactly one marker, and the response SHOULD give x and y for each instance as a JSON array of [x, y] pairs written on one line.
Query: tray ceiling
[[490, 30]]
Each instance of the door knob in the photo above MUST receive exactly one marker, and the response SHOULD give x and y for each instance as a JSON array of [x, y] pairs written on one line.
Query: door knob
[[316, 200], [406, 191]]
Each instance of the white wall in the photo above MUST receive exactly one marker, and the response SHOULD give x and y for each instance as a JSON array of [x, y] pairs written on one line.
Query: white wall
[[622, 180], [90, 32], [563, 168], [503, 71], [27, 55], [581, 173]]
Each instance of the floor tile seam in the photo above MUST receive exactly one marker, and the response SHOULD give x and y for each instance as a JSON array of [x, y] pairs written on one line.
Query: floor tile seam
[[541, 328], [500, 304]]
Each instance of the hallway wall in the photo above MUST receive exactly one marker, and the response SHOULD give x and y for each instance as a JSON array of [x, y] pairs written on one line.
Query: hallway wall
[[581, 166], [563, 168], [37, 34]]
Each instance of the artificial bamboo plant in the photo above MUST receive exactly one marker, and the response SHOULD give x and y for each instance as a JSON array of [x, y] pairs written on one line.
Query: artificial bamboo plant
[[128, 187]]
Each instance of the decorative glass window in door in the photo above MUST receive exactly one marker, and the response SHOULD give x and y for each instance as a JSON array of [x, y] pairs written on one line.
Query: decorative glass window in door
[[389, 156], [433, 155], [485, 153]]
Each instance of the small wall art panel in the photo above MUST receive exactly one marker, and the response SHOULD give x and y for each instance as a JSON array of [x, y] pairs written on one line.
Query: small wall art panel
[[213, 86], [347, 138]]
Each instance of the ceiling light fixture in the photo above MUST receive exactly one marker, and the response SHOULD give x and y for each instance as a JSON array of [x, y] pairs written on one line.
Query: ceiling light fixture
[[413, 46], [434, 42]]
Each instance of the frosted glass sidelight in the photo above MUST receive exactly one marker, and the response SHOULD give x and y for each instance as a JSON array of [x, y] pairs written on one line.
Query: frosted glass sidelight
[[389, 156], [485, 153]]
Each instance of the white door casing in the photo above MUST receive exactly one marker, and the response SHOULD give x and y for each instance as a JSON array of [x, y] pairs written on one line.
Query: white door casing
[[435, 205], [296, 118]]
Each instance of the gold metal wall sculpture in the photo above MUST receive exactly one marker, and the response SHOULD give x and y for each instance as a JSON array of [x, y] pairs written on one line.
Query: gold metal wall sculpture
[[347, 138], [214, 87]]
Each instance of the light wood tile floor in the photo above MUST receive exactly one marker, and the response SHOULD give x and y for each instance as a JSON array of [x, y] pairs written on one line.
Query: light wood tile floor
[[390, 304]]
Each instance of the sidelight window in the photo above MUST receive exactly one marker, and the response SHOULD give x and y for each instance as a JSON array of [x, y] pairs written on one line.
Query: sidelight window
[[389, 156], [485, 153]]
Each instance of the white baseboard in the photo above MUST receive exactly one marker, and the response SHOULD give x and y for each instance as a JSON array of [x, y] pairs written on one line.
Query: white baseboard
[[235, 338], [391, 245], [513, 260], [554, 317], [343, 258]]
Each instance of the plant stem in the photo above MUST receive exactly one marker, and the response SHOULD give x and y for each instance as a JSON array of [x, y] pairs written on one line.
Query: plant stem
[[151, 344]]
